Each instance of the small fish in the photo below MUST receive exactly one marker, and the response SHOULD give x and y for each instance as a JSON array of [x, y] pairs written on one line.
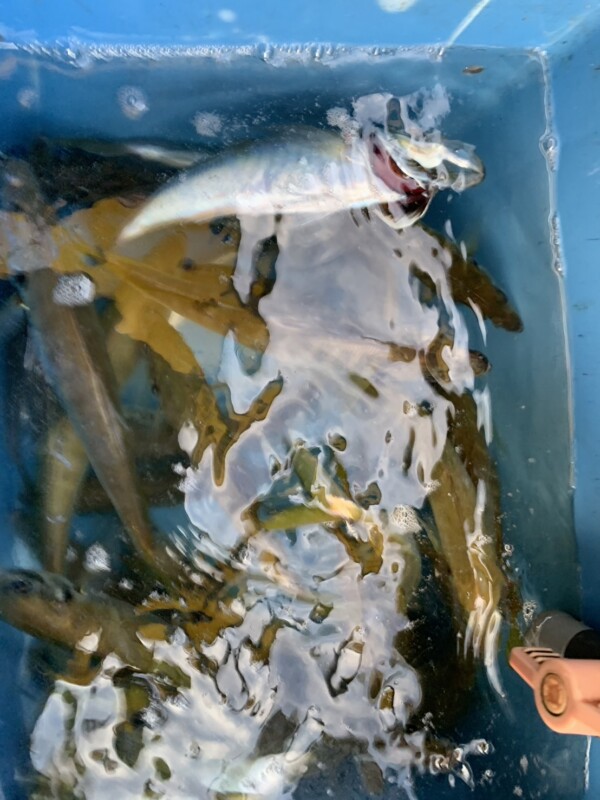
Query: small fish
[[73, 351], [65, 465], [49, 607], [66, 461], [309, 170], [312, 489], [177, 157], [464, 502], [470, 285], [268, 777], [435, 367], [76, 175], [74, 355]]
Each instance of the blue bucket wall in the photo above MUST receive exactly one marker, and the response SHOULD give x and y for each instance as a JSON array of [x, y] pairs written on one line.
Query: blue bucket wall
[[569, 32]]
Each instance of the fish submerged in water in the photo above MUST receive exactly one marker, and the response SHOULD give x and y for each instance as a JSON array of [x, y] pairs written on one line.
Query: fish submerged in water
[[310, 170], [49, 607], [73, 351]]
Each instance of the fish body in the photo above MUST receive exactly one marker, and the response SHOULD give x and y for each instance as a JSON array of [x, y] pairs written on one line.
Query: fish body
[[48, 607], [464, 503], [65, 465], [312, 171], [177, 157], [72, 348], [269, 776], [66, 461], [72, 351], [309, 170]]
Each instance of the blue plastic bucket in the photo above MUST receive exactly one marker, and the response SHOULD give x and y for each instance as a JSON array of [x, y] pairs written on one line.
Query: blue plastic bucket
[[526, 79]]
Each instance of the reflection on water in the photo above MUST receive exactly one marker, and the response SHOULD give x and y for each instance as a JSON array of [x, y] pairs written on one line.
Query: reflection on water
[[312, 391]]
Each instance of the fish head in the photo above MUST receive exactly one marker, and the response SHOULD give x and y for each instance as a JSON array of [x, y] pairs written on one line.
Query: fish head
[[431, 163], [22, 584], [417, 168], [414, 190]]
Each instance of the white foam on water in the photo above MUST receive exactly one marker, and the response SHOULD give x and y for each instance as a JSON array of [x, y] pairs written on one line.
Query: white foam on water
[[132, 101]]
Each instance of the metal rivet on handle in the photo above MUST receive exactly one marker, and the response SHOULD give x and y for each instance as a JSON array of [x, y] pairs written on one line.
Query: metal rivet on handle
[[554, 694]]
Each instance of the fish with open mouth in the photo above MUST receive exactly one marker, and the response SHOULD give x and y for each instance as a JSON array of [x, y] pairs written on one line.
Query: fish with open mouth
[[310, 170]]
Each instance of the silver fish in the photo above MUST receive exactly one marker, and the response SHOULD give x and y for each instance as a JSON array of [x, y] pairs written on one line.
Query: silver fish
[[308, 170]]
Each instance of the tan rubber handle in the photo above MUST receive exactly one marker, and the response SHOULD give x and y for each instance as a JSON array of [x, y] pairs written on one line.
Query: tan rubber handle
[[567, 691]]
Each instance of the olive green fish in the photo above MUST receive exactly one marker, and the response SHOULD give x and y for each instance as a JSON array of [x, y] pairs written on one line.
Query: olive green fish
[[48, 607], [73, 352]]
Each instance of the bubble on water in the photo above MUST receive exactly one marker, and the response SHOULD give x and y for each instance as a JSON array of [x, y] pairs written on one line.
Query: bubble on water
[[338, 117], [226, 15], [74, 290], [97, 559], [7, 67], [405, 517], [549, 148], [194, 750], [132, 102], [438, 764], [410, 408], [188, 437], [27, 97], [207, 123], [529, 609], [482, 747]]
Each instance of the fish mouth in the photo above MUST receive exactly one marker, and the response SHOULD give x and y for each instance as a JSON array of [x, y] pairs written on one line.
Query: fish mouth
[[413, 197]]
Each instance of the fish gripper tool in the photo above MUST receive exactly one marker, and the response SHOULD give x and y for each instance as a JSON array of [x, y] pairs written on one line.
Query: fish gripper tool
[[561, 663]]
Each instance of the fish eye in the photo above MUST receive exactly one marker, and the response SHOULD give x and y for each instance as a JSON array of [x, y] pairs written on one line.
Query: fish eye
[[65, 594], [217, 226], [20, 279], [20, 586]]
